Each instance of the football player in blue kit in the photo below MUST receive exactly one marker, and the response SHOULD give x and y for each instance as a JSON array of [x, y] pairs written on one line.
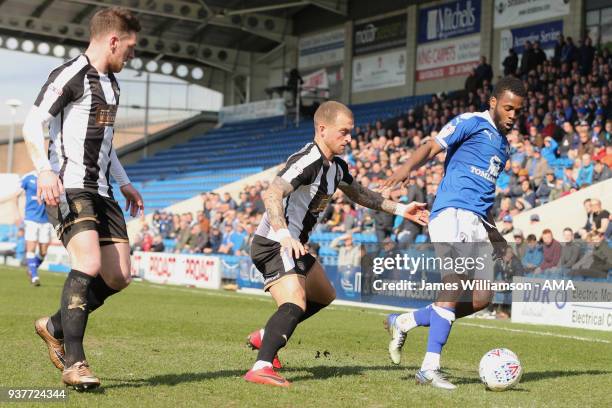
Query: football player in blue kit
[[38, 230], [476, 152]]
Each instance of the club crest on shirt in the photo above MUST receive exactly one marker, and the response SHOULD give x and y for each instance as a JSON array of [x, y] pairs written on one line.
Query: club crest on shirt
[[55, 89]]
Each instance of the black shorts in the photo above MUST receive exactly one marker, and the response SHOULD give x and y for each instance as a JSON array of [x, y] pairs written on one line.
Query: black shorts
[[86, 210], [267, 258]]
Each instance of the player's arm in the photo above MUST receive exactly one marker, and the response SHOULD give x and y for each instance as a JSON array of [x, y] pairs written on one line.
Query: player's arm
[[498, 241], [55, 95], [49, 186], [273, 201], [133, 199], [422, 155], [363, 196]]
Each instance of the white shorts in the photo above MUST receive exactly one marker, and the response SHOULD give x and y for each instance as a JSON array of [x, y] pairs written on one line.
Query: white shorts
[[459, 233], [38, 232], [457, 225]]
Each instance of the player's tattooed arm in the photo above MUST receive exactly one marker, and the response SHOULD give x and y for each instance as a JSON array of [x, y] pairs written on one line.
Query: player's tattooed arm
[[273, 201], [367, 198], [414, 211]]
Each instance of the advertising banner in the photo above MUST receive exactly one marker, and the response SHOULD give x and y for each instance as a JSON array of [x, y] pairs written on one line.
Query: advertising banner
[[178, 269], [379, 35], [514, 12], [253, 110], [449, 20], [321, 49], [379, 71], [447, 58], [588, 306], [546, 33]]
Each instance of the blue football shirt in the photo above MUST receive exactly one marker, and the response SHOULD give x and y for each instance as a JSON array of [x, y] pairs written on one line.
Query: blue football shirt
[[33, 211], [476, 153]]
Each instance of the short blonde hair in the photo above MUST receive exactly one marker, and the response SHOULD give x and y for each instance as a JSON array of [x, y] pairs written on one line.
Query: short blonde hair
[[328, 112]]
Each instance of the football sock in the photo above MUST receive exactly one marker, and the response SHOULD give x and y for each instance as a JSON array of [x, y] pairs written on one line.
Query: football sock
[[409, 321], [32, 263], [96, 295], [311, 309], [278, 330], [441, 320], [74, 315]]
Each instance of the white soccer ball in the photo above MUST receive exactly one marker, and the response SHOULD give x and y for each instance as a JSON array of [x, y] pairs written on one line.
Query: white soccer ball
[[500, 369]]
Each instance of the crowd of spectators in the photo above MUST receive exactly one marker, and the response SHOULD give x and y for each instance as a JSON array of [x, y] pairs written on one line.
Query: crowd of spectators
[[562, 142]]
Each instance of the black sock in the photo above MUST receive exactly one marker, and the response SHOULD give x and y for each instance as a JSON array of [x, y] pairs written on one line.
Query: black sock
[[96, 295], [74, 315], [54, 325], [311, 309], [98, 292], [278, 330]]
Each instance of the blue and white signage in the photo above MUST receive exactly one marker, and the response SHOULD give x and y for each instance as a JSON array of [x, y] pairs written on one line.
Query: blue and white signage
[[449, 20]]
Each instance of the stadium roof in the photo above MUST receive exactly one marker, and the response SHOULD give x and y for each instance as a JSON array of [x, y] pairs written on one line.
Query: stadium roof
[[195, 35]]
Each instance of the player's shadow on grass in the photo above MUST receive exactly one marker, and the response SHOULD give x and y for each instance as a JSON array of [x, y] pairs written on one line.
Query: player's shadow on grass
[[533, 376], [314, 373]]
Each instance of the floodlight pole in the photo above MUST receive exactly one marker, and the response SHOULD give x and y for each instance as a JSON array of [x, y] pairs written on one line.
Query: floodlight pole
[[13, 104]]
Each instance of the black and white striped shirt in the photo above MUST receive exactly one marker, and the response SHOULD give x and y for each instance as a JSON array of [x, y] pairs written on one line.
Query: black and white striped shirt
[[314, 180], [80, 104]]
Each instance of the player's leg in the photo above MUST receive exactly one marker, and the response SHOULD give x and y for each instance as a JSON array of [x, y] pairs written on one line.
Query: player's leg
[[31, 238], [442, 229], [289, 293], [85, 259], [319, 291]]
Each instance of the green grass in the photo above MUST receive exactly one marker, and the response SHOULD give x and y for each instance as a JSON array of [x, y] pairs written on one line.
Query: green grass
[[169, 346]]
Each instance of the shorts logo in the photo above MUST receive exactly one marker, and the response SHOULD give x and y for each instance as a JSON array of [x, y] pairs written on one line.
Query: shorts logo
[[271, 279], [76, 207]]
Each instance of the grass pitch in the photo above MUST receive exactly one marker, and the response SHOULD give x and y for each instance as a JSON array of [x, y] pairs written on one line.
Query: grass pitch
[[156, 345]]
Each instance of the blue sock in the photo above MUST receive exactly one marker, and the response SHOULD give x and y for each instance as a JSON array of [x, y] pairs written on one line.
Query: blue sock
[[422, 316], [441, 320], [39, 260], [32, 265]]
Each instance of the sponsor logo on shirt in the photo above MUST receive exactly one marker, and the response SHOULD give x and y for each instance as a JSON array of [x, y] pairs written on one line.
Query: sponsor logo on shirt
[[492, 172], [105, 115]]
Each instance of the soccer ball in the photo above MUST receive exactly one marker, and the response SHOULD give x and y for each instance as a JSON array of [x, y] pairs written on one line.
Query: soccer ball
[[500, 369]]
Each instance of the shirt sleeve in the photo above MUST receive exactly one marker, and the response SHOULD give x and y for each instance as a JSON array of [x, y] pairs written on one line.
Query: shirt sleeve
[[456, 131], [301, 168], [346, 174], [24, 183], [62, 87]]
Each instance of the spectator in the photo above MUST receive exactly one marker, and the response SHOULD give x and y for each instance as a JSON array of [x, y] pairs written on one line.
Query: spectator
[[586, 54], [534, 220], [570, 253], [507, 225], [520, 246], [533, 254], [183, 235], [504, 270], [158, 244], [214, 241], [601, 172], [528, 195], [585, 175], [348, 253], [539, 57], [588, 209], [568, 52], [510, 63], [471, 82], [551, 251], [601, 217], [537, 166], [558, 50], [598, 261], [484, 72], [528, 61], [545, 188], [198, 240]]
